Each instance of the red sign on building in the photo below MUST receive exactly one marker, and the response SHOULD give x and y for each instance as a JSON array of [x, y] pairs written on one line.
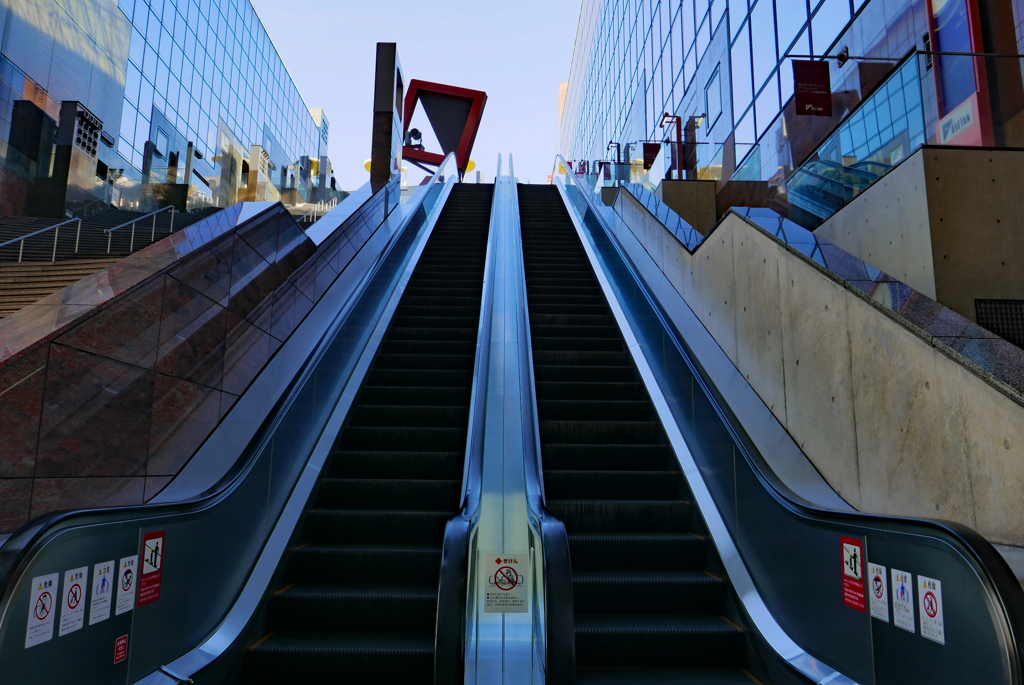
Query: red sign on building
[[121, 649], [853, 574], [812, 87], [651, 151]]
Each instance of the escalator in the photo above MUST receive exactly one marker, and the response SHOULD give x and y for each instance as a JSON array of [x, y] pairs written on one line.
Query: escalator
[[650, 598], [357, 600]]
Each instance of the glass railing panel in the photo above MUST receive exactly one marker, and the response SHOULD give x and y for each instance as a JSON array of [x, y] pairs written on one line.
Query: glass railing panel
[[156, 349]]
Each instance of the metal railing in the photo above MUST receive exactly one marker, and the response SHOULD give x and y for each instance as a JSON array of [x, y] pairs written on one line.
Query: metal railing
[[56, 232], [152, 233], [319, 210]]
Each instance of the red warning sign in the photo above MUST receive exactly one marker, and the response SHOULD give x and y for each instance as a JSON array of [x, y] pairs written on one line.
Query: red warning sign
[[43, 606], [506, 578], [121, 649], [853, 574], [931, 605], [75, 596], [152, 567]]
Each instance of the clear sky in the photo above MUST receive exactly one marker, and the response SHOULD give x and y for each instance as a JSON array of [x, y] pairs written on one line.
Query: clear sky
[[518, 52]]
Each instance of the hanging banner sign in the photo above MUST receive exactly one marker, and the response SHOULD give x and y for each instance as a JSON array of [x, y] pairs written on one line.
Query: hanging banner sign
[[504, 582], [853, 574], [651, 151], [812, 87]]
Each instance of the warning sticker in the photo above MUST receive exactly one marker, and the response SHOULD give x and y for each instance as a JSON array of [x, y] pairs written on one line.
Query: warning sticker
[[878, 594], [504, 581], [152, 568], [72, 614], [42, 604], [126, 581], [853, 574], [903, 600], [929, 594], [102, 591], [120, 649]]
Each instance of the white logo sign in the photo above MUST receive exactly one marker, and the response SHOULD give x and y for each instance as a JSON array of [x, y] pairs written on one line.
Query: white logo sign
[[72, 615], [929, 595], [504, 582], [102, 591], [878, 592], [42, 607], [903, 600], [126, 581]]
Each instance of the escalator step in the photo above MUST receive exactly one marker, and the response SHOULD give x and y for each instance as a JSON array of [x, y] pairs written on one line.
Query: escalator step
[[575, 456], [328, 658], [649, 592], [387, 464], [407, 416], [359, 526], [555, 390], [363, 564], [404, 438], [654, 640], [655, 516], [578, 344], [360, 608], [600, 432], [664, 676], [421, 395], [614, 485], [359, 493], [595, 409], [423, 361], [637, 551]]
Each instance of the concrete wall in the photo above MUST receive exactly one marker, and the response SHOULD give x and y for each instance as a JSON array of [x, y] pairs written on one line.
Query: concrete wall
[[888, 226], [692, 200], [947, 222], [895, 425]]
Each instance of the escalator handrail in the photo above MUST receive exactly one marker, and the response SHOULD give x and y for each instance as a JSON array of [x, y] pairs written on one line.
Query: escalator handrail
[[17, 553], [559, 612], [451, 625], [995, 575], [472, 476]]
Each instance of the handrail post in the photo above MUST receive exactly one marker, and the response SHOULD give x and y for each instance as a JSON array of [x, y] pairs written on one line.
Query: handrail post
[[21, 248], [109, 237], [78, 235], [152, 233], [56, 232], [173, 212], [131, 245]]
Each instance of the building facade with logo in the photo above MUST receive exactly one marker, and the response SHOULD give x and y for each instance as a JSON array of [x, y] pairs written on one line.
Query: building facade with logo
[[143, 103], [903, 73]]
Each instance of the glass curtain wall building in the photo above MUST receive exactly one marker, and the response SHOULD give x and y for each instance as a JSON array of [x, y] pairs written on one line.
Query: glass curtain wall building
[[141, 103], [724, 66]]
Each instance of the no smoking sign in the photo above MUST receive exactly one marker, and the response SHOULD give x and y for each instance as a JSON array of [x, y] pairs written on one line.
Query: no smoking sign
[[503, 580]]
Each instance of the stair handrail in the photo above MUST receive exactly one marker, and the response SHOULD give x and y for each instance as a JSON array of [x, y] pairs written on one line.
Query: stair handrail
[[152, 234], [56, 232], [319, 210]]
